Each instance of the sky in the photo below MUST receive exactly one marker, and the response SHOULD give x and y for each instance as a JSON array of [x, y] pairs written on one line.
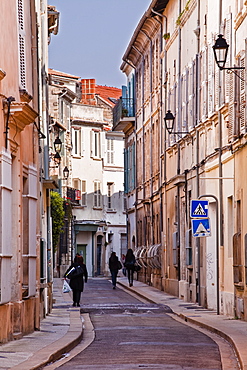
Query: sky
[[93, 37]]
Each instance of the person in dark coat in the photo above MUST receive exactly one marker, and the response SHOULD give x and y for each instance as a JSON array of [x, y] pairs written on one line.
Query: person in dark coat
[[114, 266], [77, 283], [130, 265]]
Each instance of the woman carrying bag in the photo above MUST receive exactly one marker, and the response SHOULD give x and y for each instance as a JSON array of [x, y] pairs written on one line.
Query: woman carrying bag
[[130, 265], [75, 273]]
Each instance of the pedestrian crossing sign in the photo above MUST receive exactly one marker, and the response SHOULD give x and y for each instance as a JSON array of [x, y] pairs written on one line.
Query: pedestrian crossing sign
[[200, 227], [199, 209]]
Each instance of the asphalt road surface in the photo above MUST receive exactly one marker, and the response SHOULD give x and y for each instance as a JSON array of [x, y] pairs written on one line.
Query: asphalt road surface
[[130, 335]]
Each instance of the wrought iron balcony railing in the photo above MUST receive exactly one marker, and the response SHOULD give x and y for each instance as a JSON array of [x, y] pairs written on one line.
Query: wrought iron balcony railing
[[123, 109]]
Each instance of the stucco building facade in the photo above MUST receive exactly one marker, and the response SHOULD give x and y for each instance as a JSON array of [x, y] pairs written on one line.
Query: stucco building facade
[[81, 116], [171, 58], [24, 296]]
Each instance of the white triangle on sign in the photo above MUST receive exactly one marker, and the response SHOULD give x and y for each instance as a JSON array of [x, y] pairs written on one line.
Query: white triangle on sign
[[201, 229], [199, 211]]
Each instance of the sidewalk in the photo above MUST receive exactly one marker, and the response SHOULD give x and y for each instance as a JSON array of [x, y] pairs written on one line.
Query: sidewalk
[[234, 331], [62, 330]]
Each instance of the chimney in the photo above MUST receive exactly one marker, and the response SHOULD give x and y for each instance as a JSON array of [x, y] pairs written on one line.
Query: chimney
[[88, 91]]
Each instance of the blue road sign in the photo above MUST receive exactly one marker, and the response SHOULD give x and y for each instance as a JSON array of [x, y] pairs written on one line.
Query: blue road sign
[[200, 227], [199, 209]]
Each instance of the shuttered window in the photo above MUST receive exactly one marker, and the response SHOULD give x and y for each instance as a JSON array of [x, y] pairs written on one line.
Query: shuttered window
[[95, 144], [97, 194], [110, 151]]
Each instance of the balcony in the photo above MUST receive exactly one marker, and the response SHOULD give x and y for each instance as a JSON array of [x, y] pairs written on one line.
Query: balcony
[[123, 114], [74, 195]]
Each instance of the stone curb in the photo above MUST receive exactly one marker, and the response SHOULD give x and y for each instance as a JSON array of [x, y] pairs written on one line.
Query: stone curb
[[55, 351], [214, 330]]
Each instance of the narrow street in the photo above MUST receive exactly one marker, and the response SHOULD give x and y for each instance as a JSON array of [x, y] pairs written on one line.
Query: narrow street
[[130, 334]]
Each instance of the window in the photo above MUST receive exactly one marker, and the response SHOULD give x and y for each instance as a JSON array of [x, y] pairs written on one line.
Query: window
[[80, 191], [95, 144], [175, 247], [6, 215], [97, 194], [109, 194], [110, 151], [188, 247], [29, 232], [77, 141], [129, 168]]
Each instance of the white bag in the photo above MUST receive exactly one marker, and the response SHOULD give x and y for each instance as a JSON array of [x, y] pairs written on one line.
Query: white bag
[[66, 287]]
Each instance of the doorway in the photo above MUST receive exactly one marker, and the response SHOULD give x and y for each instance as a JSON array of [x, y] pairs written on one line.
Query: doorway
[[82, 250]]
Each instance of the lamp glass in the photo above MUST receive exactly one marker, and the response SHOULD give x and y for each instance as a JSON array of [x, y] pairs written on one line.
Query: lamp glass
[[58, 145], [220, 51], [57, 158], [66, 172], [169, 121]]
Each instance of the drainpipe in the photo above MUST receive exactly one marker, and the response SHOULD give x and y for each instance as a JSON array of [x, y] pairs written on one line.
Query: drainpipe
[[178, 145], [197, 104], [9, 100], [221, 220], [151, 121]]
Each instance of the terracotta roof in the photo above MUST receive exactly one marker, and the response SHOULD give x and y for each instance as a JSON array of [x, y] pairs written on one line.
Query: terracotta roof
[[109, 94], [61, 74]]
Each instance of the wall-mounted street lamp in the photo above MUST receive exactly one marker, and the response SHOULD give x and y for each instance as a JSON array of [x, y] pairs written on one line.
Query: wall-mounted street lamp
[[57, 158], [220, 49], [169, 123], [58, 145], [65, 173]]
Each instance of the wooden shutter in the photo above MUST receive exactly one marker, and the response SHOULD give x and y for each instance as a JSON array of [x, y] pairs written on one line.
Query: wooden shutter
[[211, 64], [83, 193], [237, 266]]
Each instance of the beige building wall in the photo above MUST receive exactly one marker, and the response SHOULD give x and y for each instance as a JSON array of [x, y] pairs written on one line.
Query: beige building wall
[[203, 156], [19, 215]]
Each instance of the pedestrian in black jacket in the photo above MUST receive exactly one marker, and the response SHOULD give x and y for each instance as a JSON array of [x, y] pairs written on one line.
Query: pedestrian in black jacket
[[77, 282], [114, 266], [130, 265]]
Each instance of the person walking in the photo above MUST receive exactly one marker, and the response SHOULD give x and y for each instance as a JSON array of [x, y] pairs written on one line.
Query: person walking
[[114, 266], [77, 281], [130, 265]]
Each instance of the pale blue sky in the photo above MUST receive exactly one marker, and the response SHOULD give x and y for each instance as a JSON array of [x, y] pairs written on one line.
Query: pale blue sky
[[93, 36]]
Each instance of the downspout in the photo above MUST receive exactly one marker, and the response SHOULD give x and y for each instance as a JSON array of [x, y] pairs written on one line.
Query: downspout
[[197, 105], [221, 218], [151, 138], [9, 100], [178, 145]]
